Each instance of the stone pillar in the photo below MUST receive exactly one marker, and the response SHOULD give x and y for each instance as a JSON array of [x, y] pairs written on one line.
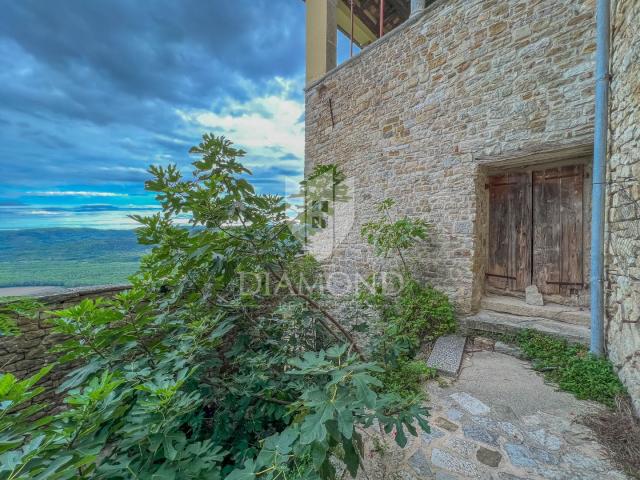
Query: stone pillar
[[322, 31], [417, 6]]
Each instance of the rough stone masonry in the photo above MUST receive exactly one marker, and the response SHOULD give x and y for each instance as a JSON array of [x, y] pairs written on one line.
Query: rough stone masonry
[[25, 354], [465, 86], [623, 199], [419, 114]]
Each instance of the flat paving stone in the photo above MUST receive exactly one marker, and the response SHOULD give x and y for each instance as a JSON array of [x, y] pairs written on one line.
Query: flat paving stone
[[510, 430], [511, 425], [428, 437], [454, 414], [420, 463], [470, 403], [480, 434], [520, 455], [525, 456], [490, 458], [545, 439], [447, 461], [446, 424], [446, 355]]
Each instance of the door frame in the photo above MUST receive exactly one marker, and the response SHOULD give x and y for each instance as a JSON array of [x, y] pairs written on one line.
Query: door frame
[[581, 299]]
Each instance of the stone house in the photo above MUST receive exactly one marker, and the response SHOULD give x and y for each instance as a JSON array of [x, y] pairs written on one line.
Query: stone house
[[478, 117]]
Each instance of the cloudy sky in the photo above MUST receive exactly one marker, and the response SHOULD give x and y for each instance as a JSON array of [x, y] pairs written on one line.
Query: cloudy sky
[[92, 92]]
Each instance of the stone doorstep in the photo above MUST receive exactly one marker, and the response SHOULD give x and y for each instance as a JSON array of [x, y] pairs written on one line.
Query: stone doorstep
[[495, 322], [551, 311]]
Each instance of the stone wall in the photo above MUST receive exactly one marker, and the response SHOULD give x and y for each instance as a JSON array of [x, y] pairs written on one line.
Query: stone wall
[[25, 354], [623, 200], [412, 116]]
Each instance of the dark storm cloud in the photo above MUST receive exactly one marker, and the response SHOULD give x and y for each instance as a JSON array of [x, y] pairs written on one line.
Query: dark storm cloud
[[89, 90]]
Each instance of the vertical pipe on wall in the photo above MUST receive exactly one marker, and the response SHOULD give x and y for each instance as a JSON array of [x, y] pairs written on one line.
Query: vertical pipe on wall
[[381, 18], [599, 176], [351, 34]]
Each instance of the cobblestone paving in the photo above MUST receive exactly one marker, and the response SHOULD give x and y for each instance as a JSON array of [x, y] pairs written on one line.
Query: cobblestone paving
[[505, 424]]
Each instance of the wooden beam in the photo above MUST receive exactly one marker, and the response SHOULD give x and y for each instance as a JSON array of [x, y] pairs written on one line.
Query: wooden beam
[[400, 6], [364, 18], [362, 34], [321, 40]]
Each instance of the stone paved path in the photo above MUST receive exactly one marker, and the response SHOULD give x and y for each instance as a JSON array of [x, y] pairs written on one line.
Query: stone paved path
[[498, 421]]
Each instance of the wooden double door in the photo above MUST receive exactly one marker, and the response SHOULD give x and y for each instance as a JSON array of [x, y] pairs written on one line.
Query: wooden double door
[[536, 231]]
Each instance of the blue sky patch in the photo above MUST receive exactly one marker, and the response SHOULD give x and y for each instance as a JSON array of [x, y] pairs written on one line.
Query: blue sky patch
[[91, 93]]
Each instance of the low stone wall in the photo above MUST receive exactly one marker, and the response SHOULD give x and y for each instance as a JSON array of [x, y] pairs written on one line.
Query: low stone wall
[[25, 354], [623, 199]]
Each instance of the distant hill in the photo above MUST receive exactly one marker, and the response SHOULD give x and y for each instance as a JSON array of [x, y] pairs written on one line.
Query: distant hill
[[67, 257]]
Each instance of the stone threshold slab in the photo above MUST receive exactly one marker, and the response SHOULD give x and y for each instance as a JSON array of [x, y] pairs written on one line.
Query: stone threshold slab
[[550, 311], [489, 321], [446, 355]]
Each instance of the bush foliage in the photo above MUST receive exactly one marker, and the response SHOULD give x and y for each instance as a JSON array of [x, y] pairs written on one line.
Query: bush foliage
[[412, 315], [187, 376]]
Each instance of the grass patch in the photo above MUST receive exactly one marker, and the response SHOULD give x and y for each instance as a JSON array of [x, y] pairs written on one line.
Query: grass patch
[[572, 367]]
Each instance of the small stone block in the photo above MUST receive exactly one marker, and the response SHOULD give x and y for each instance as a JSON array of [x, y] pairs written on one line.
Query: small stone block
[[446, 355], [484, 343], [490, 458], [420, 463], [446, 424], [532, 296], [480, 434]]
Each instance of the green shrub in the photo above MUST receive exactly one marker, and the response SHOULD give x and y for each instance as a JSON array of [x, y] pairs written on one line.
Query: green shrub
[[418, 313], [11, 308], [386, 235], [406, 378], [183, 376], [572, 367]]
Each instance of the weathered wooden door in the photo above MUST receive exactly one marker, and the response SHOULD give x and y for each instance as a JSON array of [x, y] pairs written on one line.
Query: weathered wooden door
[[509, 231], [557, 229], [536, 231]]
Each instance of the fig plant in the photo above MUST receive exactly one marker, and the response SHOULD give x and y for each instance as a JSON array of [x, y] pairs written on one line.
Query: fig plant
[[188, 376]]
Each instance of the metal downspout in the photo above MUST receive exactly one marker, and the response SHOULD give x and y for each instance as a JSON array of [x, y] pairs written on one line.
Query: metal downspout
[[599, 176]]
